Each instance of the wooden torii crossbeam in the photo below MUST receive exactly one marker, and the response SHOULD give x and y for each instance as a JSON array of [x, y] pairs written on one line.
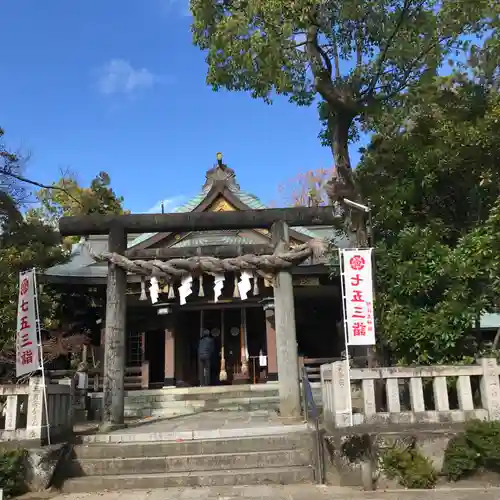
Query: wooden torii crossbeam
[[118, 226], [84, 225]]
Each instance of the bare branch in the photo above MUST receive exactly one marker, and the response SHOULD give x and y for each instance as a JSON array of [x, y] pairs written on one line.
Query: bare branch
[[37, 184]]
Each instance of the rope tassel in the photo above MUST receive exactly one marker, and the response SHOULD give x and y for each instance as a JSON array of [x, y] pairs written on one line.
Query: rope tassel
[[201, 291], [255, 285], [223, 372], [143, 290], [236, 291]]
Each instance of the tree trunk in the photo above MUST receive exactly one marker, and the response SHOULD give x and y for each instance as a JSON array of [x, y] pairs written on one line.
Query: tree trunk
[[344, 185], [496, 340]]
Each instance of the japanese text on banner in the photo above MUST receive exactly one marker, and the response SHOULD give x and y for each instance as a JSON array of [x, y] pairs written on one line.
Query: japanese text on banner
[[358, 296], [27, 357]]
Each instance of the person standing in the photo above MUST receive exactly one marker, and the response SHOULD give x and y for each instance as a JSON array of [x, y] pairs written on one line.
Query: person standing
[[206, 349]]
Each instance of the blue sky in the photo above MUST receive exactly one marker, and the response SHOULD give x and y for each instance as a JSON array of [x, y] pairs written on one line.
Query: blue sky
[[118, 86]]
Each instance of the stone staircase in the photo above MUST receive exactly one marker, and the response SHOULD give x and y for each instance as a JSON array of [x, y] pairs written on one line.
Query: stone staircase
[[276, 459], [169, 402]]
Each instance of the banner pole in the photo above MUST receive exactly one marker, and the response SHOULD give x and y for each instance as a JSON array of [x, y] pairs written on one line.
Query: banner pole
[[346, 337], [40, 349]]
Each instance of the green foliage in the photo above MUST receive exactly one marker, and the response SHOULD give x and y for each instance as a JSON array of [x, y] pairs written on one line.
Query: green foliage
[[24, 245], [12, 472], [460, 460], [434, 184], [267, 47], [477, 448], [359, 57], [69, 198], [358, 447], [409, 467]]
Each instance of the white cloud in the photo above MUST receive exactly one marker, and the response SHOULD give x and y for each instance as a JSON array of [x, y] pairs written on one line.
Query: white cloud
[[118, 76], [169, 204]]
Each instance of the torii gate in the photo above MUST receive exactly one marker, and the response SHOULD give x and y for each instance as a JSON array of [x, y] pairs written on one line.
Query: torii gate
[[277, 220]]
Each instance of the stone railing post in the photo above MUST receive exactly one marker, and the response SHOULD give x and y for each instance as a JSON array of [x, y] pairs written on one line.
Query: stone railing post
[[490, 387], [36, 422], [341, 395]]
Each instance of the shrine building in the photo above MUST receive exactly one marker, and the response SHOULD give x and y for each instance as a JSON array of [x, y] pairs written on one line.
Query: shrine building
[[162, 337]]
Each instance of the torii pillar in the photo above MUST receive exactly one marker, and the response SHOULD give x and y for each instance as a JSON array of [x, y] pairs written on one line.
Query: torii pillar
[[286, 338], [115, 336]]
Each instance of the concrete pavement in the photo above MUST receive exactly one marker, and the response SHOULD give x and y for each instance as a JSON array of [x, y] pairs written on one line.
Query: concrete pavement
[[292, 492]]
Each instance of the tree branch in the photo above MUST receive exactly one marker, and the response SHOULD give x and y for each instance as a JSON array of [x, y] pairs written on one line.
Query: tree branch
[[336, 59], [359, 49], [322, 75], [38, 184], [385, 50], [411, 67]]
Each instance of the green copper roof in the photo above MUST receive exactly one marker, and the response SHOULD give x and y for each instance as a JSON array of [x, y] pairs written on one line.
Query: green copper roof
[[250, 200]]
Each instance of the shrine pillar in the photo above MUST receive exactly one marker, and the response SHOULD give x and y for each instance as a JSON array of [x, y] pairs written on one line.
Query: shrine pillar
[[286, 339], [169, 352], [272, 363]]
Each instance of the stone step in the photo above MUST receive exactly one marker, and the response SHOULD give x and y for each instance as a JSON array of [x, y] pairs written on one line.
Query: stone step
[[189, 463], [208, 403], [291, 441], [193, 391], [172, 408], [276, 475], [168, 412], [161, 412], [193, 398]]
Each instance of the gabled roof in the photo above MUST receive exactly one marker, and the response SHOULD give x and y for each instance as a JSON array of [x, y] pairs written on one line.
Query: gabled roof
[[220, 182]]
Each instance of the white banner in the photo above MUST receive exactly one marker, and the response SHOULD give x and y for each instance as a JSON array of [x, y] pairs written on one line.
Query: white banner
[[357, 295], [27, 349]]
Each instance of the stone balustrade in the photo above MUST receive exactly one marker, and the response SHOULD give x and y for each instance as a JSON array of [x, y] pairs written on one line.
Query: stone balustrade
[[24, 416], [398, 394]]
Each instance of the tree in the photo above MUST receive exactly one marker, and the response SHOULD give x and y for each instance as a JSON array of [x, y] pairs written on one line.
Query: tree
[[306, 188], [434, 184], [67, 197], [32, 241], [358, 57], [24, 245], [10, 170], [73, 199]]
